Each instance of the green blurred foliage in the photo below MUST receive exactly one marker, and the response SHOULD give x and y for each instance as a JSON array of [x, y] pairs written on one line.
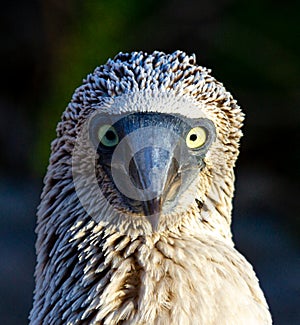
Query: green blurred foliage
[[97, 31]]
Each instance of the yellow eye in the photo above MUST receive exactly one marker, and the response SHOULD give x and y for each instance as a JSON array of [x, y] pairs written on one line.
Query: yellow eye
[[196, 138], [108, 135]]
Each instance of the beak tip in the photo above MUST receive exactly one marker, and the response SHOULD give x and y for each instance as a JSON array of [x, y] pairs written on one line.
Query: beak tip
[[154, 221]]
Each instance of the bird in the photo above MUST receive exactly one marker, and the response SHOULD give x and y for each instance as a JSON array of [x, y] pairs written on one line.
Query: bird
[[134, 222]]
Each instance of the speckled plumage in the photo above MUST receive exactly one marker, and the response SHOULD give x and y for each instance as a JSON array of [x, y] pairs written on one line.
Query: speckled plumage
[[99, 265]]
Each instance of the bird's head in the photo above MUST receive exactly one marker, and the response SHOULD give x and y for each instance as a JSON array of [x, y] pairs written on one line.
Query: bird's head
[[151, 140]]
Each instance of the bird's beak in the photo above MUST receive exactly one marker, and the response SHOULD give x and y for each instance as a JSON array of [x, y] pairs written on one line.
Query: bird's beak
[[154, 172], [148, 178]]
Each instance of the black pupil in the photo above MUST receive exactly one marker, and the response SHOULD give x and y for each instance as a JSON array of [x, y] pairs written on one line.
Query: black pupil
[[110, 135], [193, 137]]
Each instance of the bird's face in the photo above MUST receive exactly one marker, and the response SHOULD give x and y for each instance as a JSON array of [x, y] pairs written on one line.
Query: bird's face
[[151, 158], [148, 164]]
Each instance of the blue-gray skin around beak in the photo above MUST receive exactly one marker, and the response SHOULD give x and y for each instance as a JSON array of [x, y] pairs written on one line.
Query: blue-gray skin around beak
[[151, 165]]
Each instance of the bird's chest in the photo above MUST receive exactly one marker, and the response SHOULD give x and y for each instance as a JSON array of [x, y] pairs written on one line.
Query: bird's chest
[[183, 280], [168, 284]]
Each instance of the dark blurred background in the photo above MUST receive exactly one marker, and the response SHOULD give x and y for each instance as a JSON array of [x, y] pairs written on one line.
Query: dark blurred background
[[47, 47]]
